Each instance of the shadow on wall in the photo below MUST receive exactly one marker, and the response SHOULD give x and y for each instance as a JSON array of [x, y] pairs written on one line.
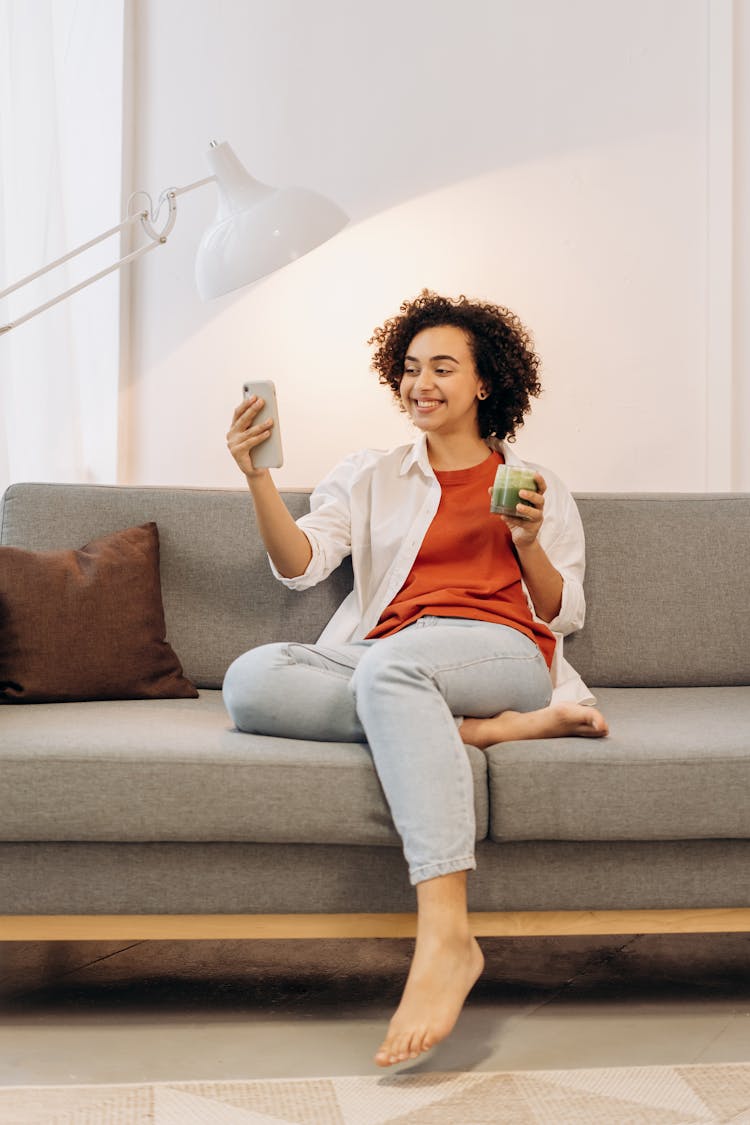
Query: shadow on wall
[[577, 277], [375, 106]]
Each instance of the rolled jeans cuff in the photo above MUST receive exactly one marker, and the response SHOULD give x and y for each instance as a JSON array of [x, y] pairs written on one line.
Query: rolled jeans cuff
[[445, 867]]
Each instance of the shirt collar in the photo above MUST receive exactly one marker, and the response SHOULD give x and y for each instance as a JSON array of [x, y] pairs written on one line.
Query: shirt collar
[[416, 454], [509, 454]]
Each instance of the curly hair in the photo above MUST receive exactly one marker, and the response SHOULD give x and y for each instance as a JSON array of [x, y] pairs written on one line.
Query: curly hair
[[500, 344]]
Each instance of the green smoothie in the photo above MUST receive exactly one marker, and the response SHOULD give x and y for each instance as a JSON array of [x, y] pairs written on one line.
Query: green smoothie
[[509, 480]]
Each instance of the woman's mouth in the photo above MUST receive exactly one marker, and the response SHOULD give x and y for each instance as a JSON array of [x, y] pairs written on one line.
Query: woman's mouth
[[427, 405]]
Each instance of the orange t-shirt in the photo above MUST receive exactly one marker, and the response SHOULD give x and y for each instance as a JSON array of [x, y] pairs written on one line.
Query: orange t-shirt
[[466, 566]]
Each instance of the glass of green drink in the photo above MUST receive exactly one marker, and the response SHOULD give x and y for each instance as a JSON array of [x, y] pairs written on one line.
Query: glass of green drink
[[509, 480]]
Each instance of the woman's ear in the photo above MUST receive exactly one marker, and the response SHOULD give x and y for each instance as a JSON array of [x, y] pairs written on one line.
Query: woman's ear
[[483, 393]]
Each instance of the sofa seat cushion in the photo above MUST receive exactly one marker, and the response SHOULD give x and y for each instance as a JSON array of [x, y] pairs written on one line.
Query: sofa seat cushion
[[176, 769], [676, 766]]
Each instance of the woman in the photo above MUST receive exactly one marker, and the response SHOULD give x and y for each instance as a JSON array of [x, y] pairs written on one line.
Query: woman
[[453, 631]]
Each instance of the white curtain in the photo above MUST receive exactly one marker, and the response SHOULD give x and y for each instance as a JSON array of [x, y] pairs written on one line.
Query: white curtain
[[61, 122]]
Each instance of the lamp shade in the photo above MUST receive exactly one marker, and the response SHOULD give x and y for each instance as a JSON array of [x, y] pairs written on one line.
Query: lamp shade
[[257, 228]]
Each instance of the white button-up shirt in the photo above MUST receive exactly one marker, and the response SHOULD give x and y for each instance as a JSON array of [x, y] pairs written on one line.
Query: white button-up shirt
[[377, 506]]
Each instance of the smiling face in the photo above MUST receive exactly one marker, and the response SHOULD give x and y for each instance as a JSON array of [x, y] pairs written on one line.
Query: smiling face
[[440, 383]]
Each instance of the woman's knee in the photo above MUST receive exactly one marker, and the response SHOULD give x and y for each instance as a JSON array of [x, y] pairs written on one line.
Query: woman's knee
[[248, 685], [383, 665]]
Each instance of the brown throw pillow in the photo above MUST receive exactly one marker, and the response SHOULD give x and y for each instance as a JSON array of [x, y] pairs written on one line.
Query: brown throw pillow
[[86, 624]]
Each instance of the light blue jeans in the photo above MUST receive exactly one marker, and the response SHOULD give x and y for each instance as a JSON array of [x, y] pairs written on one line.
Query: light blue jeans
[[404, 695]]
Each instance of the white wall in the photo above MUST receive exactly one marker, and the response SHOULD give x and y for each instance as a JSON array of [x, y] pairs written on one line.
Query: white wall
[[554, 158]]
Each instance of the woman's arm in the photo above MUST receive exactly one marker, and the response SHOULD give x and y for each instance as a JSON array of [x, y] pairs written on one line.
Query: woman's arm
[[543, 581], [287, 545]]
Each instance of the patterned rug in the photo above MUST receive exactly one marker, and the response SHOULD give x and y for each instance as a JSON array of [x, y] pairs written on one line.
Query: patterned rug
[[679, 1095]]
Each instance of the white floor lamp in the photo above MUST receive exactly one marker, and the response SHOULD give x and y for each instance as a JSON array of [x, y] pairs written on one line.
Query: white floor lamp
[[257, 229]]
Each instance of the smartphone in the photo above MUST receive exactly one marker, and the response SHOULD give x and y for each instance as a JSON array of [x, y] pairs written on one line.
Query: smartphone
[[268, 454]]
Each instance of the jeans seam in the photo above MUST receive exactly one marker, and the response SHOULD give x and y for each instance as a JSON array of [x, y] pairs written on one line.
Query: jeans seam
[[466, 775], [346, 668], [466, 664]]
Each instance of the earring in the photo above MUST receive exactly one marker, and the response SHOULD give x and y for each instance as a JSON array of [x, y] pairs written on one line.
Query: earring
[[482, 395]]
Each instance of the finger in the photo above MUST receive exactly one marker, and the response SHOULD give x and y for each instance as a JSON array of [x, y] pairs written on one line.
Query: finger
[[241, 408], [521, 519], [541, 482], [248, 408], [531, 499], [240, 434], [250, 438], [242, 423], [531, 504]]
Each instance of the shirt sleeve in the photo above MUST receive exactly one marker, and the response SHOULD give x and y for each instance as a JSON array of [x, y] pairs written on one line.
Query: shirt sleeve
[[328, 526], [563, 540]]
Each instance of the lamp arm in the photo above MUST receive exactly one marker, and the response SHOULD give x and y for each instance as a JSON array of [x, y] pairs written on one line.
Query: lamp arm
[[147, 220]]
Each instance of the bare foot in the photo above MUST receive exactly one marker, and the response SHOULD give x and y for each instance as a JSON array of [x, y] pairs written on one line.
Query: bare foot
[[559, 720], [441, 976]]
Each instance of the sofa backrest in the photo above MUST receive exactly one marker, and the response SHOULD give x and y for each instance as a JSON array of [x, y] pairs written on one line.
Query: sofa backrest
[[665, 579], [220, 597], [666, 600]]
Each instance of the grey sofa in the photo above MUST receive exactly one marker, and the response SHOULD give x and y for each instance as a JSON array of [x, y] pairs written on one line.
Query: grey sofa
[[156, 818]]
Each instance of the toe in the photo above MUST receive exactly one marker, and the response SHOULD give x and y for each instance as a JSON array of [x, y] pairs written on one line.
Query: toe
[[401, 1049], [383, 1054], [391, 1051], [415, 1044]]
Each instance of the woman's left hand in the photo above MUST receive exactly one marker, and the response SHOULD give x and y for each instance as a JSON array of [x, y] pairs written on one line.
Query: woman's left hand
[[525, 528]]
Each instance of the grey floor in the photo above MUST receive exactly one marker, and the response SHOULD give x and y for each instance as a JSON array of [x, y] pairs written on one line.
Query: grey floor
[[162, 1011]]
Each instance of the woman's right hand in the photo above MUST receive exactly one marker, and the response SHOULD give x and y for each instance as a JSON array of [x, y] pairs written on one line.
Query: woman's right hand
[[243, 436], [287, 544]]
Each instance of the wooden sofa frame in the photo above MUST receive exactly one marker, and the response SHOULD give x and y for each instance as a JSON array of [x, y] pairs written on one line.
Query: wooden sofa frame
[[196, 927]]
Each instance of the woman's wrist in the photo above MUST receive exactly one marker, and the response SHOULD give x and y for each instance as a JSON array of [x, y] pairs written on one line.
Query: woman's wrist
[[256, 476]]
